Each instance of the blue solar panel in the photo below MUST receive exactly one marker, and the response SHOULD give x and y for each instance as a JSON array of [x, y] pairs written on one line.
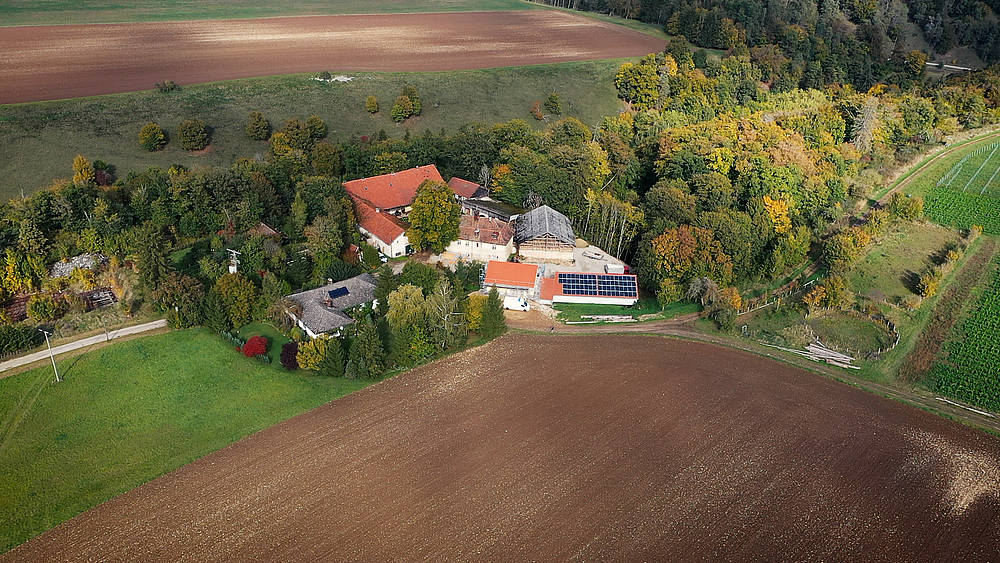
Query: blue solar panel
[[604, 285], [339, 292]]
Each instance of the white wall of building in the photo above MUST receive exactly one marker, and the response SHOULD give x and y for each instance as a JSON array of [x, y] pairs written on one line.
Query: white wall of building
[[481, 251], [394, 250]]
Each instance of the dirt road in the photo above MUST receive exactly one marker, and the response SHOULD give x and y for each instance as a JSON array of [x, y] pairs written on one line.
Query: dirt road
[[572, 447], [52, 62]]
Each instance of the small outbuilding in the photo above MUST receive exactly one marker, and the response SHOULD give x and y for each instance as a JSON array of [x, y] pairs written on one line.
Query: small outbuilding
[[511, 278], [545, 235]]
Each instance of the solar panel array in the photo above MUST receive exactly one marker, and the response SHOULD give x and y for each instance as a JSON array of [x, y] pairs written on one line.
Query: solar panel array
[[604, 285]]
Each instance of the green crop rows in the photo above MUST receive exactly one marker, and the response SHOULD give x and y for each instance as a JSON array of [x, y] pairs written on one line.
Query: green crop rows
[[971, 370], [966, 195]]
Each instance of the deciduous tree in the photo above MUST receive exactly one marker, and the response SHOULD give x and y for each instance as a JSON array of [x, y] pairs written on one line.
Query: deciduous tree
[[434, 218]]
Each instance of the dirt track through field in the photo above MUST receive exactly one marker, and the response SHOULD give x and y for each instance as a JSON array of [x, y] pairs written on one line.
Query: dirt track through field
[[562, 446], [52, 62]]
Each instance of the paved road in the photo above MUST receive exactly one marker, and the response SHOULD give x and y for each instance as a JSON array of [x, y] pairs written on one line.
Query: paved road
[[82, 343]]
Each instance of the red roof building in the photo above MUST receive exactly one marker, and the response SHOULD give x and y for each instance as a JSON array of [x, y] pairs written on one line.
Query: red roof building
[[392, 192], [510, 275], [384, 231], [466, 189]]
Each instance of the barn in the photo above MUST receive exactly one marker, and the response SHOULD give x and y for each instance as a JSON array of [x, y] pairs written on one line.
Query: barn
[[545, 235]]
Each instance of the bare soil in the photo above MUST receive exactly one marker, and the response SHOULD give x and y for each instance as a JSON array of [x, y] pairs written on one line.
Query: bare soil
[[572, 447], [53, 62]]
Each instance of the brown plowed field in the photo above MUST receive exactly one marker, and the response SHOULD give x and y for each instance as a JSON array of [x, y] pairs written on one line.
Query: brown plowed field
[[51, 62], [562, 447]]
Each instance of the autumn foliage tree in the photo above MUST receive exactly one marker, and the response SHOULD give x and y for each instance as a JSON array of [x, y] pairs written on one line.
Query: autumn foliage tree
[[371, 104], [152, 137], [239, 296], [434, 218], [83, 171], [683, 253]]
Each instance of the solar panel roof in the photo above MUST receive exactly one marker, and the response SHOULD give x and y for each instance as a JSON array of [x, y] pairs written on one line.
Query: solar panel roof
[[603, 285]]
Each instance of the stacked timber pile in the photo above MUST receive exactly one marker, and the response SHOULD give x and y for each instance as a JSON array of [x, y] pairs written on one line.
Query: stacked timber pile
[[819, 353]]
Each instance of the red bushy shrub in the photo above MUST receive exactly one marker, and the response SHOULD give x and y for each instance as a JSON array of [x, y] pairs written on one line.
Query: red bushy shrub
[[256, 346]]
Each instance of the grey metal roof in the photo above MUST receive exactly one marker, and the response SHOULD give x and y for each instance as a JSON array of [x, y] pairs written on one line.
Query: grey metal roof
[[543, 221], [319, 317]]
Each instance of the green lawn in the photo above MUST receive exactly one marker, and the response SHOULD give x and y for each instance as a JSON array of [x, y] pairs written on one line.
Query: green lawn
[[888, 270], [53, 12], [39, 140], [275, 340], [646, 306], [128, 413]]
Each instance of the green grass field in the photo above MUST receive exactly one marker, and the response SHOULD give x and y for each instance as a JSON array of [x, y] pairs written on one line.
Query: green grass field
[[887, 271], [55, 12], [572, 312], [128, 413], [970, 367], [38, 141]]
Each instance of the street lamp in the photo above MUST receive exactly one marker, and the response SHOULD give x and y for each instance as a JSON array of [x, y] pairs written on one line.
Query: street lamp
[[51, 356]]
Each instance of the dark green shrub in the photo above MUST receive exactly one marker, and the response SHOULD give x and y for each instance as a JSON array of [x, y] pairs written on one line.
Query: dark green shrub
[[317, 127], [193, 134], [553, 105], [258, 127]]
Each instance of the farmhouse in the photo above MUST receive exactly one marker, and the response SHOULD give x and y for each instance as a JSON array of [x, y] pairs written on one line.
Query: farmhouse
[[511, 278], [382, 230], [545, 235], [465, 189], [483, 239], [585, 287], [321, 310], [392, 193]]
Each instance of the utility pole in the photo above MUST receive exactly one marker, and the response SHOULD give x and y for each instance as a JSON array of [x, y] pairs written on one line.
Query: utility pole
[[51, 356]]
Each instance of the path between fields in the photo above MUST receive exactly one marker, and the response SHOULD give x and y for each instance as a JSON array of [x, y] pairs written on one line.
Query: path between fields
[[924, 165], [53, 62], [683, 327], [82, 343]]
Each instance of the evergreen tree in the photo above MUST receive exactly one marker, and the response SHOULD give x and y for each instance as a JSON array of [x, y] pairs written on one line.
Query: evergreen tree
[[367, 357], [215, 312], [493, 323], [332, 364]]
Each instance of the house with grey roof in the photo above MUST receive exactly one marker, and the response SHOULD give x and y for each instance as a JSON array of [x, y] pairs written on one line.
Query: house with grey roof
[[321, 310], [544, 235]]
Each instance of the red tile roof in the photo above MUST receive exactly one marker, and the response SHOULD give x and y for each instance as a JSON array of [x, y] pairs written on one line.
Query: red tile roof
[[550, 287], [463, 188], [510, 274], [485, 229], [390, 191], [383, 226]]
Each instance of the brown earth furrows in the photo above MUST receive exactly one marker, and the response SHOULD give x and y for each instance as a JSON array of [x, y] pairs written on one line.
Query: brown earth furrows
[[945, 313], [572, 447], [52, 62]]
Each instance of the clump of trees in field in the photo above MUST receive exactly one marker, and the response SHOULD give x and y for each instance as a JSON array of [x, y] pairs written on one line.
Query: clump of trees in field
[[407, 105]]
